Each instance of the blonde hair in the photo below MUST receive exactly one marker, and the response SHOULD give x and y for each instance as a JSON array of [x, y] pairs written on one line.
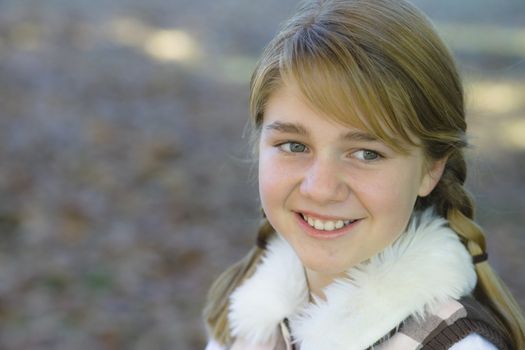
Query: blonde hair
[[377, 65]]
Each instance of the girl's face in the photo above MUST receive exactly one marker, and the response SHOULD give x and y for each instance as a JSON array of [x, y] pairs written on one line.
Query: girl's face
[[335, 193]]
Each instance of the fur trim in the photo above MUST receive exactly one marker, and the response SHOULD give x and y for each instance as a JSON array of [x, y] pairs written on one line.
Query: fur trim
[[424, 268], [276, 290]]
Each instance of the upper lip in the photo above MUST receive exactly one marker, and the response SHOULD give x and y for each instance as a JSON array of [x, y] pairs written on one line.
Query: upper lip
[[323, 217]]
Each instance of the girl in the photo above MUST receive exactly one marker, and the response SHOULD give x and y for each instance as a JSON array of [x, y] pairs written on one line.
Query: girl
[[368, 239]]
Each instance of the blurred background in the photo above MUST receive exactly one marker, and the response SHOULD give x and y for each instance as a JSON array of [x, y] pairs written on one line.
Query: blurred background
[[124, 185]]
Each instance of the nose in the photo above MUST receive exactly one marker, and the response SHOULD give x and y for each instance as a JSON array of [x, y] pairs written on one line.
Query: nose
[[324, 183]]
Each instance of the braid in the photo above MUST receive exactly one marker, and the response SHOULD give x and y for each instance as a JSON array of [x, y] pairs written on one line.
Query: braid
[[452, 201], [218, 300], [455, 203]]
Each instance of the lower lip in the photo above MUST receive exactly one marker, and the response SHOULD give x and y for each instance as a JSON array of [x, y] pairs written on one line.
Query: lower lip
[[321, 234]]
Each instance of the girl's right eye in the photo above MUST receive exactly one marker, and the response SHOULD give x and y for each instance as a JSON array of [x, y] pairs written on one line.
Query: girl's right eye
[[292, 147]]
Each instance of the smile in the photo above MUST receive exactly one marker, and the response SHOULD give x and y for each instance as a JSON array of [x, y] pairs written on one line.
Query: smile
[[326, 225]]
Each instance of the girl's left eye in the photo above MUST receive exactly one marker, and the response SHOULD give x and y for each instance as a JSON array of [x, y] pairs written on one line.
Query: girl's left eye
[[292, 147], [367, 155]]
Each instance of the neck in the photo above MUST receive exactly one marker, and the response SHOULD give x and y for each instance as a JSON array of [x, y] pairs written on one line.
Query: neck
[[317, 281]]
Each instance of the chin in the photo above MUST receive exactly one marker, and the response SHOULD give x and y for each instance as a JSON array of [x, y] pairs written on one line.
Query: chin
[[327, 266]]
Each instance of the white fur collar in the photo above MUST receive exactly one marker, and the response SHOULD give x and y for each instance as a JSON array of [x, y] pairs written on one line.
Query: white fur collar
[[425, 267]]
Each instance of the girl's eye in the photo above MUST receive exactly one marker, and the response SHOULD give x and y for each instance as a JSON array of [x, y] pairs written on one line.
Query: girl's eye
[[292, 147], [366, 155]]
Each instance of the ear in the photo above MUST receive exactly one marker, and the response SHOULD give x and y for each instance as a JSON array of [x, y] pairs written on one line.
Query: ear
[[432, 174]]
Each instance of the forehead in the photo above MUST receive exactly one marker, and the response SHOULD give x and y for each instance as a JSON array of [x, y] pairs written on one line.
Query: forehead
[[289, 113], [289, 102]]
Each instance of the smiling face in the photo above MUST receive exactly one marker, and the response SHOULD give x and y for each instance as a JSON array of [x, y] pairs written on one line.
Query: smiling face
[[335, 193]]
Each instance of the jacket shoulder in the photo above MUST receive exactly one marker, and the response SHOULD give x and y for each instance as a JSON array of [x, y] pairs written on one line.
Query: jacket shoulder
[[453, 322]]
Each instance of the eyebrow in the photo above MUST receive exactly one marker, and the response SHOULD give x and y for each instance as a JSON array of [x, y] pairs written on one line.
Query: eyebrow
[[292, 128], [287, 128]]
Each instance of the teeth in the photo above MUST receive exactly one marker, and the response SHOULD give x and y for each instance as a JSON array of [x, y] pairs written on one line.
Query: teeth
[[327, 225], [311, 221]]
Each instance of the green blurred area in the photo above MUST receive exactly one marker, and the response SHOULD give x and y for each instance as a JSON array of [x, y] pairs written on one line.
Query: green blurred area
[[124, 180]]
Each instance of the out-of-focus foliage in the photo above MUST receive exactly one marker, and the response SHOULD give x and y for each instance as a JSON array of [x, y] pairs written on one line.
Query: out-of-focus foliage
[[126, 185]]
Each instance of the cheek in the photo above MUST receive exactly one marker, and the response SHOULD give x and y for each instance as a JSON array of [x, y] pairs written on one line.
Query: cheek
[[268, 186], [388, 192], [277, 172], [271, 181]]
